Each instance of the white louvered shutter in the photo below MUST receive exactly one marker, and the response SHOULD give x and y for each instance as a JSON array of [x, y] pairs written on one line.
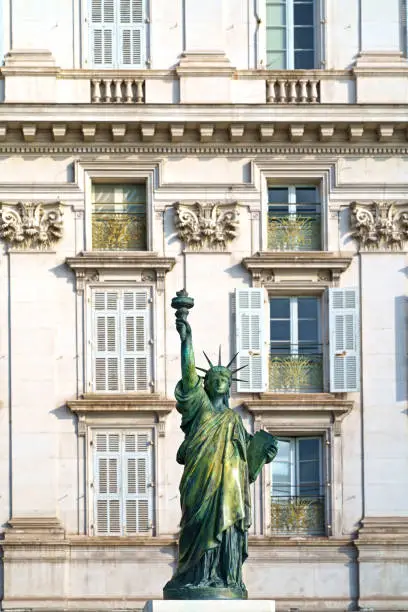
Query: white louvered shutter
[[135, 340], [249, 339], [106, 344], [107, 484], [344, 340], [131, 34], [102, 33], [138, 491]]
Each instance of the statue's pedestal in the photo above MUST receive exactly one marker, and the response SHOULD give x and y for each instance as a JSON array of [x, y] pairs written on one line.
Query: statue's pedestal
[[209, 605]]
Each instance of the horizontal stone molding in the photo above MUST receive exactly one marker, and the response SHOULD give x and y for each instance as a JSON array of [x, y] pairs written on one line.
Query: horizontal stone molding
[[149, 409], [278, 269], [294, 412], [146, 266]]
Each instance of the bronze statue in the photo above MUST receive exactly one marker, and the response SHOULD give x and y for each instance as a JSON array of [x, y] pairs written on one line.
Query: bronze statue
[[220, 461]]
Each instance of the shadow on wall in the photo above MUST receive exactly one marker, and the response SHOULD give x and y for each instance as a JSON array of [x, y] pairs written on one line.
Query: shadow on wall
[[401, 346], [1, 575]]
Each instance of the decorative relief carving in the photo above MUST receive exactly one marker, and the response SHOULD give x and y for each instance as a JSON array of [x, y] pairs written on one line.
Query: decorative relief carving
[[212, 224], [29, 225], [380, 225]]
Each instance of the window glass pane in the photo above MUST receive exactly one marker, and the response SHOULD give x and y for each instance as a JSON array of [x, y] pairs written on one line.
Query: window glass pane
[[303, 13], [309, 449], [283, 450], [275, 39], [308, 472], [307, 307], [278, 195], [307, 195], [304, 38], [276, 60], [304, 60], [307, 331], [279, 308], [275, 14], [280, 330]]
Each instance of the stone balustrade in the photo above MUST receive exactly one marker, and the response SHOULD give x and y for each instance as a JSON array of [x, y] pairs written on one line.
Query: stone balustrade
[[117, 90], [292, 90]]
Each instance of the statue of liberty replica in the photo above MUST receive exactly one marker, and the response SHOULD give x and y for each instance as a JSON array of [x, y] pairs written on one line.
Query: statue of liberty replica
[[220, 461]]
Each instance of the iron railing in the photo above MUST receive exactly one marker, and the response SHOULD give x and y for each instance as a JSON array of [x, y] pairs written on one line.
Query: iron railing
[[296, 368], [297, 515], [293, 232], [119, 231]]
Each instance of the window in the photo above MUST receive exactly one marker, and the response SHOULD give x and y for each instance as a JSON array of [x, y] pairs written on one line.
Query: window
[[122, 472], [288, 357], [121, 340], [296, 357], [290, 34], [119, 217], [297, 492], [294, 218], [117, 35]]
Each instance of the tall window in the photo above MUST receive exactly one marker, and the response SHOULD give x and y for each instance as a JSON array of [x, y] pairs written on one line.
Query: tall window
[[120, 341], [297, 492], [117, 33], [294, 218], [119, 217], [295, 362], [290, 34], [122, 482]]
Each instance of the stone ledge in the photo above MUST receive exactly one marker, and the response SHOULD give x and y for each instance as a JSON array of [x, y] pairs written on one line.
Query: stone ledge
[[92, 402], [278, 269]]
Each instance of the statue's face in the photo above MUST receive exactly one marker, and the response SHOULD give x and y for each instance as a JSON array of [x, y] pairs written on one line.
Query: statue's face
[[218, 382]]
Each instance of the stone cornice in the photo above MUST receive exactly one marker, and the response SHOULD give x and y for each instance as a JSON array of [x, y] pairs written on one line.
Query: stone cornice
[[292, 411], [146, 266], [318, 268], [92, 402], [76, 148], [94, 408]]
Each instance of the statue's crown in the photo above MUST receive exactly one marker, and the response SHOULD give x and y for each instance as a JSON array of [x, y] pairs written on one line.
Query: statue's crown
[[220, 367]]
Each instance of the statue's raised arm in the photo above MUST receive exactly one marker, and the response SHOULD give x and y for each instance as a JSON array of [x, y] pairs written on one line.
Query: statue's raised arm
[[182, 303]]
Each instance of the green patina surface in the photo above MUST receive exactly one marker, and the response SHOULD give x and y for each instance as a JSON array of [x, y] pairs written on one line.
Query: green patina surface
[[220, 461]]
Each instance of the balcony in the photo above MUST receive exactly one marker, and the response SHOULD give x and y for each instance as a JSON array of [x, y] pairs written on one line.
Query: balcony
[[295, 369], [294, 232], [297, 515]]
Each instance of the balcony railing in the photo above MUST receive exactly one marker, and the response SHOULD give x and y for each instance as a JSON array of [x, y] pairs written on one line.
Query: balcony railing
[[294, 232], [118, 231], [119, 90], [297, 515], [295, 368], [284, 89]]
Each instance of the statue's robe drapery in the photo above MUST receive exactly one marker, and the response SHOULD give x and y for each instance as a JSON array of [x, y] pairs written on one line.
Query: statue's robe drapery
[[214, 494]]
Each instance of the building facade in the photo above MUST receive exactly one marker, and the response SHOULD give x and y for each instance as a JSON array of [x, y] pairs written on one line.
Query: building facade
[[255, 153]]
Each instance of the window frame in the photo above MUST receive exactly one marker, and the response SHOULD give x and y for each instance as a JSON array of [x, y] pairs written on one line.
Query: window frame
[[293, 208], [88, 336], [318, 36], [331, 483], [90, 446], [118, 172], [87, 51], [322, 323]]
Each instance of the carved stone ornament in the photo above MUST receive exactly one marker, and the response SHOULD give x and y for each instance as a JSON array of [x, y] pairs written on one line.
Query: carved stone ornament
[[210, 225], [31, 225], [380, 225]]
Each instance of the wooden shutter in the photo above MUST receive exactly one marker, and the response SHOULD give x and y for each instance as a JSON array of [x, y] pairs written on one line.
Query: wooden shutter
[[102, 32], [106, 349], [138, 491], [249, 338], [135, 340], [107, 484], [131, 34], [344, 340]]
